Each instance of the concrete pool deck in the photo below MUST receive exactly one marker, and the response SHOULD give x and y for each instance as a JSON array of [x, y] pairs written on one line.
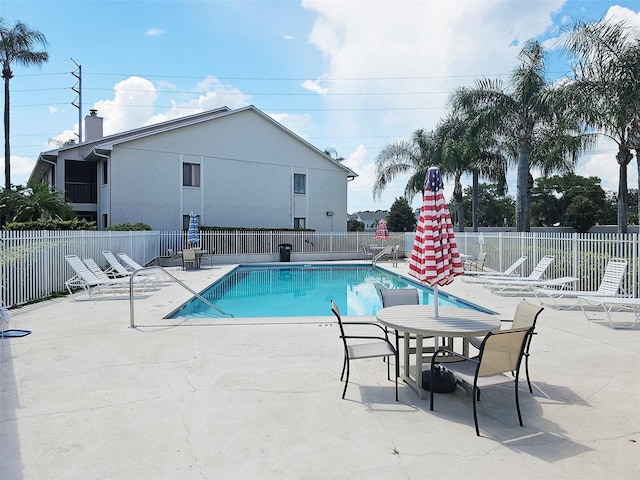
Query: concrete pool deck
[[87, 397]]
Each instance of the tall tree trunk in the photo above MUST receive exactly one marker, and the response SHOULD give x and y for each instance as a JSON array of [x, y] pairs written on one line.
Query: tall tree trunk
[[457, 196], [7, 149], [523, 209], [623, 157], [475, 211]]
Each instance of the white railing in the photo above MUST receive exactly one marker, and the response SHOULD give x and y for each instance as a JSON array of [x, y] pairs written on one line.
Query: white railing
[[577, 255], [32, 264]]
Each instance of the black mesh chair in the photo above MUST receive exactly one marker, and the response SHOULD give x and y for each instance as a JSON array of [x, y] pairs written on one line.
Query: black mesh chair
[[364, 346]]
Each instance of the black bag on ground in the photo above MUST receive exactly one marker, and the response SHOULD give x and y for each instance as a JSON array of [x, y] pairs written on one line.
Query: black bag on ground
[[443, 381]]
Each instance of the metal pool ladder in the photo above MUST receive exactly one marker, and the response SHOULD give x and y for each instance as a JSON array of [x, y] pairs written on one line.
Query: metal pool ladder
[[179, 282]]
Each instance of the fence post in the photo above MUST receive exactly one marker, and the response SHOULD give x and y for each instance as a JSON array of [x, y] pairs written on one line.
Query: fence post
[[575, 254]]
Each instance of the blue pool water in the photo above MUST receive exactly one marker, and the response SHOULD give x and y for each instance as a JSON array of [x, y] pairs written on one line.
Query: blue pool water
[[303, 291]]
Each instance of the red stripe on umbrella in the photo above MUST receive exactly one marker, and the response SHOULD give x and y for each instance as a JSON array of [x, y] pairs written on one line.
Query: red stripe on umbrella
[[435, 258]]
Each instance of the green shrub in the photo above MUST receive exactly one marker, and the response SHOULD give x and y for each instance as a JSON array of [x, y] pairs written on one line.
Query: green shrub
[[126, 227], [75, 224]]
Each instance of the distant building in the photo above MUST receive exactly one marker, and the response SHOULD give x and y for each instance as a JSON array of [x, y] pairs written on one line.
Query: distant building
[[370, 219], [233, 168]]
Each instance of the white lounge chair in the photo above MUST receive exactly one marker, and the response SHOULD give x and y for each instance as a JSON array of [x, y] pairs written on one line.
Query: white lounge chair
[[115, 267], [611, 280], [509, 287], [89, 282], [119, 270], [129, 262], [480, 274], [102, 275], [536, 274], [608, 304]]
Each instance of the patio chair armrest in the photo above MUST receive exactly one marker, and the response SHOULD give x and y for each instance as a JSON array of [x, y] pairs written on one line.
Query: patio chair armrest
[[375, 324], [365, 337], [444, 351]]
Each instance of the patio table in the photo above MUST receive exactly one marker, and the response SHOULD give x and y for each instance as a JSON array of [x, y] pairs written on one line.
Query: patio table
[[420, 320]]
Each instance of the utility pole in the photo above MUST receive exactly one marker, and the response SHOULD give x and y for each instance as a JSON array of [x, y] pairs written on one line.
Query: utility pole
[[78, 100]]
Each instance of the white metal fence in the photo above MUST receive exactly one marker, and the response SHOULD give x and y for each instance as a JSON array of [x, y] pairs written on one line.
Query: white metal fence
[[32, 264]]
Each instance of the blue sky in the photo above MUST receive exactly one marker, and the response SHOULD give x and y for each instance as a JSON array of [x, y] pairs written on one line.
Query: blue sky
[[353, 75]]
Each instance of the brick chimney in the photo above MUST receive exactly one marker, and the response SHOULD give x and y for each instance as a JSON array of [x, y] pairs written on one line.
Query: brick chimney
[[92, 126]]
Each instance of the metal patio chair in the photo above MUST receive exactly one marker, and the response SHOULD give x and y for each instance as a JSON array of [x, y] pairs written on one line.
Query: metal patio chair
[[364, 346]]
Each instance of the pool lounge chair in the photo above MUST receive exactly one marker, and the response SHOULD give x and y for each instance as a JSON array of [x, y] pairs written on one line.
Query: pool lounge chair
[[119, 270], [478, 275], [104, 276], [611, 280], [129, 262], [115, 267], [514, 287], [89, 282], [609, 303], [536, 274]]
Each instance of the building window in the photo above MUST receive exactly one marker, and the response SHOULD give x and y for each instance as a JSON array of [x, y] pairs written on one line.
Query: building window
[[105, 220], [191, 174], [299, 183], [105, 172], [299, 223]]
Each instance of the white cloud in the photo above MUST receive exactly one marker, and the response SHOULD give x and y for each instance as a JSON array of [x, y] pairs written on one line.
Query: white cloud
[[21, 168], [286, 36], [411, 55], [154, 32], [601, 162], [132, 105], [63, 138], [53, 109], [294, 122], [314, 86]]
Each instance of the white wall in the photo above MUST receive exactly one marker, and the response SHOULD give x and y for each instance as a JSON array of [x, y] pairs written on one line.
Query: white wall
[[247, 166]]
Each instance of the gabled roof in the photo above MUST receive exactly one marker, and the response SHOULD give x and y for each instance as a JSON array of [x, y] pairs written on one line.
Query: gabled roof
[[369, 217], [98, 147]]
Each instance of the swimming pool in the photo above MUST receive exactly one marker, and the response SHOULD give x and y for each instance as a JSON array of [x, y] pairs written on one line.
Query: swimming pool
[[251, 291]]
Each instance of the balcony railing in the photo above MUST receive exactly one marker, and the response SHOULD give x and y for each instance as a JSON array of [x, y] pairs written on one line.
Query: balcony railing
[[78, 192]]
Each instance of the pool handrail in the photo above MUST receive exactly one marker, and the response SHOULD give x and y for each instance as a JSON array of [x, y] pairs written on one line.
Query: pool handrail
[[179, 282]]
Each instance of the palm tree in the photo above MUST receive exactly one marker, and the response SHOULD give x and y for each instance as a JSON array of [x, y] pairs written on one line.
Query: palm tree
[[523, 114], [17, 44], [606, 90], [455, 146], [412, 157], [35, 202], [469, 148]]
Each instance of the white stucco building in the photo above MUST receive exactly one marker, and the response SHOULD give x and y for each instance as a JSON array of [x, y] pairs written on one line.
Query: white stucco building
[[234, 168]]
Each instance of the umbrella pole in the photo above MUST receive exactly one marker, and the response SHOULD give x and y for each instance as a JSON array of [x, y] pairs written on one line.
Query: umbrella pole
[[435, 301]]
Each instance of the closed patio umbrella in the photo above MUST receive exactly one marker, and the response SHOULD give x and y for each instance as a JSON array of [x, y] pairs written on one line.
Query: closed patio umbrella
[[434, 257], [193, 233], [382, 233]]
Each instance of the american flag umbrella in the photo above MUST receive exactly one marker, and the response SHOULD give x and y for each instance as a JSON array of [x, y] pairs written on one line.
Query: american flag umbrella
[[435, 258], [193, 233], [382, 233]]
